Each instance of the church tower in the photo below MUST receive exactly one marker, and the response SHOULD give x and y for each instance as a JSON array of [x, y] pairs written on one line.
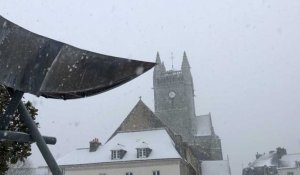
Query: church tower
[[175, 107], [174, 97]]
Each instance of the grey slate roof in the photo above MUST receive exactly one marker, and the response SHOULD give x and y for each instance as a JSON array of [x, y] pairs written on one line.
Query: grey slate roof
[[140, 118]]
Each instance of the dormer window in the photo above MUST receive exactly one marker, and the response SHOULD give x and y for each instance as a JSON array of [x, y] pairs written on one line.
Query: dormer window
[[143, 152], [117, 154]]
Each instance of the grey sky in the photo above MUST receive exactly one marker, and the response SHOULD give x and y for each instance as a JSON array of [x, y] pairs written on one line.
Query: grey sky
[[245, 58]]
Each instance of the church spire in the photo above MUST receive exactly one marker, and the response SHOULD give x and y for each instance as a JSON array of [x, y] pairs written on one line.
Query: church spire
[[163, 68], [158, 61], [186, 68], [185, 63], [159, 68]]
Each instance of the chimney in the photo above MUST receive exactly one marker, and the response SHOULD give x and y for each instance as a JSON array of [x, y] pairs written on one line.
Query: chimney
[[94, 144], [281, 152], [258, 155]]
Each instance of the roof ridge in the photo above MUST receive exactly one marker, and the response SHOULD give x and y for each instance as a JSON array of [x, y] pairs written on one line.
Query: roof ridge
[[142, 130], [292, 154]]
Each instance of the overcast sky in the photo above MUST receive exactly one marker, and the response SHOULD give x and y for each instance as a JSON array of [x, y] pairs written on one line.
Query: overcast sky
[[245, 59]]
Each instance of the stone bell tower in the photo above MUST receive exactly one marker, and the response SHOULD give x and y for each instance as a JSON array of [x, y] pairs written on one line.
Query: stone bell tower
[[174, 97]]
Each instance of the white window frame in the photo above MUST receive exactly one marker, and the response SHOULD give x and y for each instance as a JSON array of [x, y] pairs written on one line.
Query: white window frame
[[156, 172], [142, 152], [116, 154], [129, 173]]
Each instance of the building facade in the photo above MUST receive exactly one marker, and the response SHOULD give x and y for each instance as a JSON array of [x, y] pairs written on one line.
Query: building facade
[[140, 152], [165, 167], [289, 171]]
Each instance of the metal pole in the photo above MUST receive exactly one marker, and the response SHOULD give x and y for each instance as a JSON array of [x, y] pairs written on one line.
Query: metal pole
[[11, 108], [36, 135], [23, 137]]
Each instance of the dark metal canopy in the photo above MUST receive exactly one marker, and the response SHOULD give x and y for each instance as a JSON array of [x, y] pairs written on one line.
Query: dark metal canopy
[[46, 67]]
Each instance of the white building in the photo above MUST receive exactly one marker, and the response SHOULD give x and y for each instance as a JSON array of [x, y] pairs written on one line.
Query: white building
[[150, 152], [290, 165], [215, 167], [275, 162]]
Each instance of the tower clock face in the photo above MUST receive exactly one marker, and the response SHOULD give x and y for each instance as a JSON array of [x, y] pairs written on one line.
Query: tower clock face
[[172, 94]]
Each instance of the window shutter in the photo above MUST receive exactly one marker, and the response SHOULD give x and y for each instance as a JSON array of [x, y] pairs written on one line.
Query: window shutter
[[137, 153], [112, 155]]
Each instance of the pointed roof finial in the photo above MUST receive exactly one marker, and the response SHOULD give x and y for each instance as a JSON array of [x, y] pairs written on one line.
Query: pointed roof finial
[[185, 62], [163, 66], [158, 58], [172, 58], [184, 55]]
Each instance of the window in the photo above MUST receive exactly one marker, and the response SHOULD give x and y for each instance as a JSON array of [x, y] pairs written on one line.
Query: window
[[290, 173], [102, 174], [141, 153], [156, 172], [116, 154], [129, 173]]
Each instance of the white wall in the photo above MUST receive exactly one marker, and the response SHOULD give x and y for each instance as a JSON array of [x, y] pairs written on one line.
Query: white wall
[[166, 167], [285, 171]]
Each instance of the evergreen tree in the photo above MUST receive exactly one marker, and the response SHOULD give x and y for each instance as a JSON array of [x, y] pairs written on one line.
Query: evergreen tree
[[11, 152]]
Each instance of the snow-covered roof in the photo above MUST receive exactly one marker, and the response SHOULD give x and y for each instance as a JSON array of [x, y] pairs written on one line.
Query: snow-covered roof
[[218, 167], [204, 125], [265, 160], [289, 160], [158, 140]]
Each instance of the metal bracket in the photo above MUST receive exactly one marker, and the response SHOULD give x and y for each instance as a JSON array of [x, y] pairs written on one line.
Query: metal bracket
[[23, 137]]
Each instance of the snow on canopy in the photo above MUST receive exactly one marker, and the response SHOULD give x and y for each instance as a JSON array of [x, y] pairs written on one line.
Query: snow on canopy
[[218, 167], [158, 140]]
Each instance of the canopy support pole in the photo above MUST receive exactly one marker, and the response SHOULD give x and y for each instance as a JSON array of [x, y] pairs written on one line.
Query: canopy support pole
[[34, 132], [11, 108]]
